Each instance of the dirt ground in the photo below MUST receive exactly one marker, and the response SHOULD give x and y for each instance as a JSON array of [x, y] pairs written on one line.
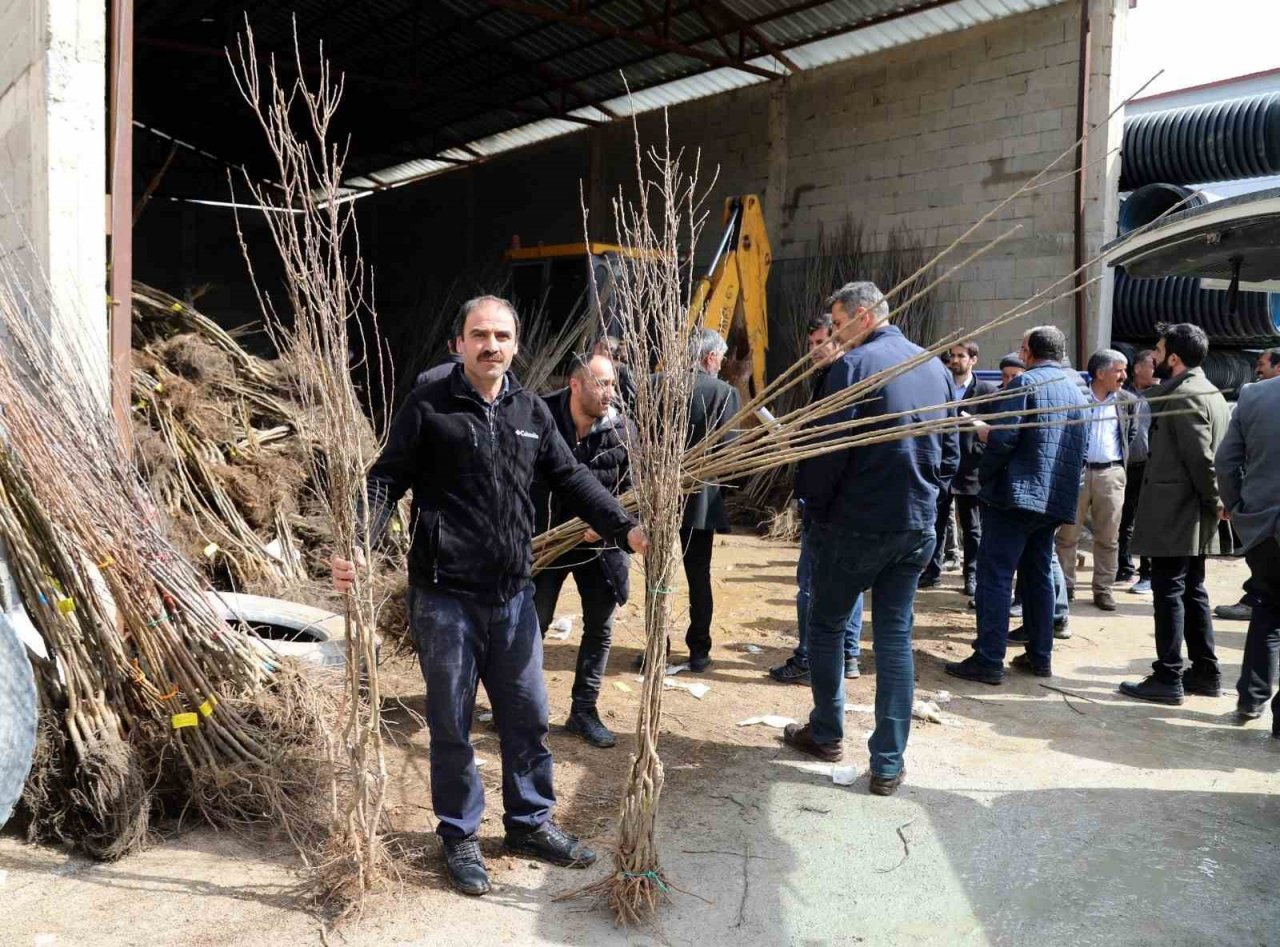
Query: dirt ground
[[1029, 816]]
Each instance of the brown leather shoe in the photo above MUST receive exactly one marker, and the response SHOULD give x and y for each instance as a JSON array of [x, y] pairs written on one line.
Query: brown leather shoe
[[1104, 601], [801, 737], [886, 785]]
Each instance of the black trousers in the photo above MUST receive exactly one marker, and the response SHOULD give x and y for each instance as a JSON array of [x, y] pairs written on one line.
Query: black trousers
[[970, 529], [1182, 614], [1259, 670], [598, 607], [696, 544], [1132, 490]]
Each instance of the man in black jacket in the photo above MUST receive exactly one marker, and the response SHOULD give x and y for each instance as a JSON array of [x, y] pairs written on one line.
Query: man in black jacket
[[964, 486], [469, 446], [598, 437], [443, 369], [713, 404]]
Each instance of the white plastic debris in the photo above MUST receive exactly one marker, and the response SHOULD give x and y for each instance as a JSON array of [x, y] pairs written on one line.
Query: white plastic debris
[[843, 775], [942, 697], [674, 669], [752, 648], [769, 720], [481, 761], [561, 628], [485, 716], [275, 550], [697, 689], [927, 711], [859, 709]]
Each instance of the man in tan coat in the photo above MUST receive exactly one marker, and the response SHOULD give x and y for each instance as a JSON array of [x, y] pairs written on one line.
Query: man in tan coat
[[1177, 519]]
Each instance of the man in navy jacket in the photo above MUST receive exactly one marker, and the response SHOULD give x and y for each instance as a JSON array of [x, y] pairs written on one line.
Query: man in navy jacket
[[872, 512], [469, 445], [1030, 474]]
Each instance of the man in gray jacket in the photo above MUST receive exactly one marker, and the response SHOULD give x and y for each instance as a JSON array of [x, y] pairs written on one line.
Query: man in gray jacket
[[1248, 464], [1178, 513]]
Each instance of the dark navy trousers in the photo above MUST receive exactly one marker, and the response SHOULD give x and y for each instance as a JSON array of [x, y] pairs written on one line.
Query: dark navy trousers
[[461, 643]]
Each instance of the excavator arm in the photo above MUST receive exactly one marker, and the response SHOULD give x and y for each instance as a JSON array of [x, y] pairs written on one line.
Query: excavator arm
[[730, 297]]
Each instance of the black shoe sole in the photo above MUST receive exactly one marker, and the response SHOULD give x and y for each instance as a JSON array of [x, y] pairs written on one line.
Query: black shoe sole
[[562, 862], [1167, 701], [467, 891], [1032, 670], [991, 679], [790, 680]]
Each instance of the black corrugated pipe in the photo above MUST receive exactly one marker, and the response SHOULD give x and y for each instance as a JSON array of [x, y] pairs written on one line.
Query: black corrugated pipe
[[1138, 305], [1220, 141], [1151, 200]]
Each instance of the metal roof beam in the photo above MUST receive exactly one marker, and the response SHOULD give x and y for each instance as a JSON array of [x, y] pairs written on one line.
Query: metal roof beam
[[590, 23]]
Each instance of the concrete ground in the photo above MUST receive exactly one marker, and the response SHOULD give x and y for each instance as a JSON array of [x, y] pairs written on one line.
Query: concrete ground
[[1029, 816]]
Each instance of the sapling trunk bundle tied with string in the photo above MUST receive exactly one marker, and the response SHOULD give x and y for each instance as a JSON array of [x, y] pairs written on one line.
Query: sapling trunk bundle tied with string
[[329, 317]]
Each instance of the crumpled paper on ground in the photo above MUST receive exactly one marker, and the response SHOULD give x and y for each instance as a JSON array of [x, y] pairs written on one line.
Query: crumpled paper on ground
[[561, 628], [844, 775], [696, 688], [769, 720], [927, 711]]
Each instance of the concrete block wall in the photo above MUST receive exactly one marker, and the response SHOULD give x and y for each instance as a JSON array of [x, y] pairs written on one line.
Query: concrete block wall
[[53, 160]]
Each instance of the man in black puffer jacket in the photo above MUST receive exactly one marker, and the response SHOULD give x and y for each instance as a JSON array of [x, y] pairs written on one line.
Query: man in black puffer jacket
[[469, 445], [598, 436]]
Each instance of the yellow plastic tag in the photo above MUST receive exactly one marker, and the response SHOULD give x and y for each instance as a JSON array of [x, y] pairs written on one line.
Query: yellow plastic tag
[[210, 550], [107, 563], [66, 606], [184, 720], [207, 707], [176, 307]]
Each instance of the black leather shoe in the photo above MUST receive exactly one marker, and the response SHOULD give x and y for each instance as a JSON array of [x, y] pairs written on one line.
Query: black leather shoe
[[587, 725], [886, 785], [801, 737], [790, 673], [1153, 690], [552, 844], [1246, 714], [1023, 663], [464, 865], [699, 663], [1202, 685], [1018, 635], [971, 670], [927, 581], [970, 588]]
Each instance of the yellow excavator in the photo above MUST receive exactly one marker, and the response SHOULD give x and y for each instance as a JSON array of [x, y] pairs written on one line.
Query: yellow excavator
[[729, 297]]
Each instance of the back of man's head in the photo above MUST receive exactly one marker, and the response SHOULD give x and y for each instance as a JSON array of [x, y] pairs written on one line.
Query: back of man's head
[[707, 342], [1046, 344], [1185, 340], [860, 295]]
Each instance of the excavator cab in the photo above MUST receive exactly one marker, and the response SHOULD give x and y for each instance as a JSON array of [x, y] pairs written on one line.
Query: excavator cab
[[729, 297]]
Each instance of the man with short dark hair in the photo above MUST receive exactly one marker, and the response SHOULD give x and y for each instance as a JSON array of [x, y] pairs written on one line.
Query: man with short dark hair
[[1268, 365], [443, 369], [1248, 468], [608, 346], [1142, 381], [796, 668], [872, 512], [598, 436], [1030, 473], [469, 446], [1113, 420], [964, 485], [1178, 514]]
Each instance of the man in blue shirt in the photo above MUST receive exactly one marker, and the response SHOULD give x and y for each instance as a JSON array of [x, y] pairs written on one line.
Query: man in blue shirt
[[871, 514], [1030, 474]]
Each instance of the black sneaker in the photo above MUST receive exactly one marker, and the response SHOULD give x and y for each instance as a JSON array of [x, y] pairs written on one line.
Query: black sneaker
[[464, 865], [586, 724], [852, 670], [927, 581], [699, 663], [1200, 684], [1061, 629], [886, 785], [1246, 714], [971, 670], [1023, 663], [1018, 635], [1156, 691], [970, 587], [552, 844], [789, 673]]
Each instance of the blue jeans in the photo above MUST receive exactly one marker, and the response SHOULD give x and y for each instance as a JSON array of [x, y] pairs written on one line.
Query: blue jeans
[[462, 642], [1061, 607], [846, 563], [804, 587], [1015, 540]]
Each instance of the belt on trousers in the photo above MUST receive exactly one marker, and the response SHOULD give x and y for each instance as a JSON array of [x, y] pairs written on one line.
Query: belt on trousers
[[1105, 465]]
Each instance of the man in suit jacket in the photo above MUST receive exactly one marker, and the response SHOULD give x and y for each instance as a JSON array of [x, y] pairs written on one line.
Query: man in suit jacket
[[964, 486], [713, 404], [1248, 467], [1113, 423], [1177, 519]]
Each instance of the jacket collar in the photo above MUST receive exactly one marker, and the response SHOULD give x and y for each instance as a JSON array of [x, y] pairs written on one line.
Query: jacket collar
[[460, 387]]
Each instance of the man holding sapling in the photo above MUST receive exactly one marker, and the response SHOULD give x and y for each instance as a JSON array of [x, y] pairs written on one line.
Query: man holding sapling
[[872, 512], [469, 446], [598, 436]]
